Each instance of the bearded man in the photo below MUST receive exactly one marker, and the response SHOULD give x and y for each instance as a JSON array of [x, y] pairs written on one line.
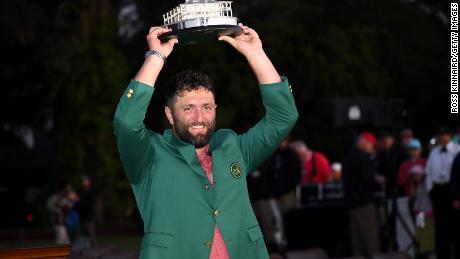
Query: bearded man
[[190, 182]]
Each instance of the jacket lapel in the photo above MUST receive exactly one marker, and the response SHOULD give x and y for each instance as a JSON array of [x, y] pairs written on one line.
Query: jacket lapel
[[187, 151]]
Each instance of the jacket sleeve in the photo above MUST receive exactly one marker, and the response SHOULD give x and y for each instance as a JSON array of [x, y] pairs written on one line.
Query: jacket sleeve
[[280, 117], [366, 171], [133, 139]]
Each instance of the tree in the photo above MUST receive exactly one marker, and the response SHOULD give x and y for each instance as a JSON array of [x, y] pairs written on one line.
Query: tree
[[89, 74]]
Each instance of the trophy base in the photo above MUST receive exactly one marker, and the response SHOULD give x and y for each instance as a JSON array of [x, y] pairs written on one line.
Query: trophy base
[[202, 33]]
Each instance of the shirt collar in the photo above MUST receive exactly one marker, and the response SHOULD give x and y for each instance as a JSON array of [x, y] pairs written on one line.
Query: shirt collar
[[449, 147]]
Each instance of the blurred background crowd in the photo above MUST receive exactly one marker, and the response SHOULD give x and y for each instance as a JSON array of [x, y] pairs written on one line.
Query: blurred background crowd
[[389, 192], [368, 169]]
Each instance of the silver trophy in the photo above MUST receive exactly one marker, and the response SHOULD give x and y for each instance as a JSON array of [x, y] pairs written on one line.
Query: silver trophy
[[200, 20]]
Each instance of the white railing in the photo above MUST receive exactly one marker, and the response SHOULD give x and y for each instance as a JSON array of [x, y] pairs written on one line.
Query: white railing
[[188, 11]]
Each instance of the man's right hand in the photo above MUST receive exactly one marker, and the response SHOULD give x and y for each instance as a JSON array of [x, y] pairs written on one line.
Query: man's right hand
[[153, 64], [155, 44]]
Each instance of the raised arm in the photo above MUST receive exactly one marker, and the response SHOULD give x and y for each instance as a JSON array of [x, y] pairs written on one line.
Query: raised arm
[[133, 139], [250, 46], [281, 113]]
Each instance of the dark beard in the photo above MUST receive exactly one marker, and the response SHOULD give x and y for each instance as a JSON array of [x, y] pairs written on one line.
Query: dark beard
[[200, 140]]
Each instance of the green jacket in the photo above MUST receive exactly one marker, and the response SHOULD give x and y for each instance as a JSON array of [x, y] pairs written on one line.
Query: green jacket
[[178, 205]]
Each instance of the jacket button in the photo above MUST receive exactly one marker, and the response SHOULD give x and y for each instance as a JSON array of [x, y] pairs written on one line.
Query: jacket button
[[216, 213], [129, 95], [206, 186], [131, 91], [208, 243]]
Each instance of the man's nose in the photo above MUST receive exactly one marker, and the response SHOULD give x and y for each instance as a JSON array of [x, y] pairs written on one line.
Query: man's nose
[[198, 115]]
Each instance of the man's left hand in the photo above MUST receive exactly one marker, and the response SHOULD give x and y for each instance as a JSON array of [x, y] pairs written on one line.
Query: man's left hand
[[250, 45], [246, 43]]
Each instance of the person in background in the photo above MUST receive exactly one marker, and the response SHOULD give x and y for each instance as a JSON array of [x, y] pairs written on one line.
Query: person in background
[[315, 165], [86, 207], [284, 168], [414, 149], [406, 183], [455, 196], [386, 161], [72, 217], [56, 205], [287, 170], [438, 171], [359, 179], [422, 210], [405, 136], [261, 195], [268, 206]]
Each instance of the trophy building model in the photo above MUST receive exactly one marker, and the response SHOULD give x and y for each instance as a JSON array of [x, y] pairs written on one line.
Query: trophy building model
[[201, 20]]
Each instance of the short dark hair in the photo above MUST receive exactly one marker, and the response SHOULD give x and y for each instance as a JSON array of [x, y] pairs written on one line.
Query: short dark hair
[[187, 81], [444, 129]]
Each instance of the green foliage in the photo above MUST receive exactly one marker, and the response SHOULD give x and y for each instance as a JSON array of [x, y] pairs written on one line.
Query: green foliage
[[90, 74]]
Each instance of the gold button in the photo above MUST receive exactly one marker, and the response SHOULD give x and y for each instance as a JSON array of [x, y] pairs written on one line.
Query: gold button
[[131, 91], [206, 186], [129, 95], [216, 213], [208, 243]]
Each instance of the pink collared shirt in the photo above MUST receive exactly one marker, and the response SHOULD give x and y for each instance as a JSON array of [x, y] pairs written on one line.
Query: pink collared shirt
[[219, 249]]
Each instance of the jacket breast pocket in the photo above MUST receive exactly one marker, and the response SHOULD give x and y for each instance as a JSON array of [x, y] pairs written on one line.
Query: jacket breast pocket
[[255, 233], [156, 245]]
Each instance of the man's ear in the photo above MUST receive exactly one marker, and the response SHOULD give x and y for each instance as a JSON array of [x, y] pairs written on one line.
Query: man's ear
[[169, 115]]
